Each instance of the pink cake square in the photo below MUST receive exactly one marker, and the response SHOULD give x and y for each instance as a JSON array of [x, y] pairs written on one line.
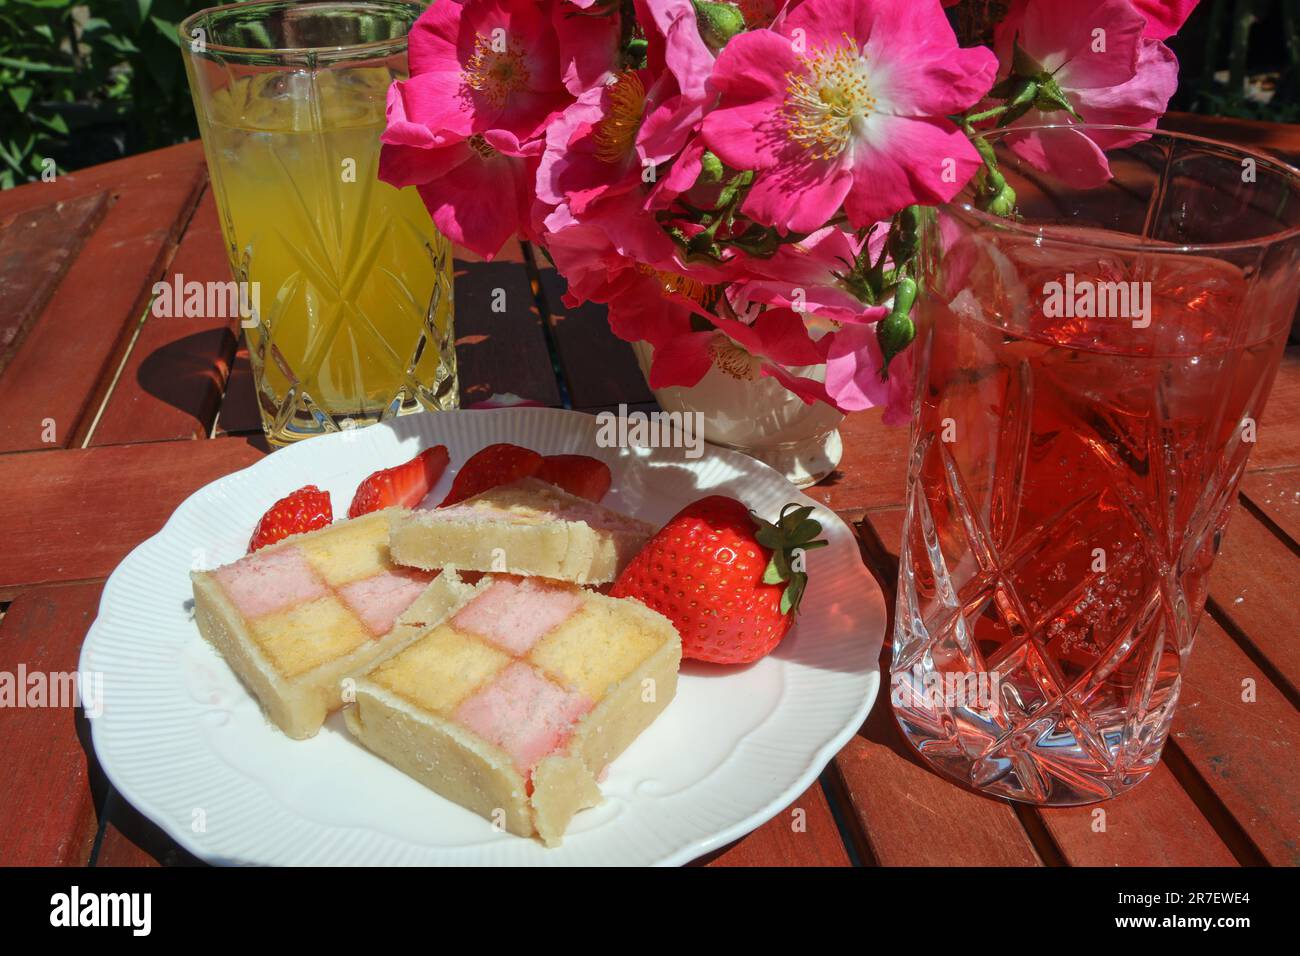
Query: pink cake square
[[515, 613], [379, 600], [523, 713], [263, 583]]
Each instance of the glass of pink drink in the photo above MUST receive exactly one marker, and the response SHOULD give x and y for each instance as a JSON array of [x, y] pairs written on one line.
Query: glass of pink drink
[[1090, 379]]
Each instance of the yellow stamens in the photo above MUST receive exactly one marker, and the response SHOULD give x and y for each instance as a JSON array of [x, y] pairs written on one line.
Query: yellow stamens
[[823, 103], [731, 359], [685, 286], [496, 68], [615, 134]]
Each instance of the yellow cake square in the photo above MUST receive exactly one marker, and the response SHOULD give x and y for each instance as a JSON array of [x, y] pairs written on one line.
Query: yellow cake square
[[350, 551], [441, 669], [308, 635], [591, 651]]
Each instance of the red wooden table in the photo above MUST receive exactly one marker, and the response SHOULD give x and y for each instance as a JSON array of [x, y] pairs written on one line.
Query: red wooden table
[[110, 417]]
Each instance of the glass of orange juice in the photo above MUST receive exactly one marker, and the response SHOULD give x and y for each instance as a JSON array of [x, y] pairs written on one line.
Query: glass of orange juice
[[345, 285]]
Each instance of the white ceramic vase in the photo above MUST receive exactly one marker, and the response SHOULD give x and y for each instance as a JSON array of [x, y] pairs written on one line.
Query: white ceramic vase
[[759, 417]]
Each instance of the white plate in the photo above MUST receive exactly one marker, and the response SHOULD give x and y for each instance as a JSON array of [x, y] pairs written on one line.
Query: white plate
[[183, 741]]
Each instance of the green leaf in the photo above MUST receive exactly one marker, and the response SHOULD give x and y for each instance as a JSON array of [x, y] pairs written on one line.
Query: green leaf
[[793, 594], [21, 95], [55, 122], [805, 531], [167, 29], [122, 45], [778, 568], [33, 66], [793, 518]]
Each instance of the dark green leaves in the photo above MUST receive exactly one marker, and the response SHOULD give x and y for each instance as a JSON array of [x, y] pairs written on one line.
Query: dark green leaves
[[82, 82], [793, 533]]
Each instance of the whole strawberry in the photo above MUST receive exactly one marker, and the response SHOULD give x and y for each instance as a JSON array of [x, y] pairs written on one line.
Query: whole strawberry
[[728, 580]]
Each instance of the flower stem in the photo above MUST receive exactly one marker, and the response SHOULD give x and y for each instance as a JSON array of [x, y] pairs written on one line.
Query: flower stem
[[971, 119]]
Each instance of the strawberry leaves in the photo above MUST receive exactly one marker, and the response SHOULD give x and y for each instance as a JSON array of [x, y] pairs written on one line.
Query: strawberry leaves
[[794, 533]]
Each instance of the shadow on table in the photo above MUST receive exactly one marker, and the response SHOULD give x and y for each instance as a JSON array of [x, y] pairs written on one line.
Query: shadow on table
[[188, 373], [119, 821]]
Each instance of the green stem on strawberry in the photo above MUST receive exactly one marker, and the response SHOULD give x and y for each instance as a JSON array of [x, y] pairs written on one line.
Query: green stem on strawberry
[[793, 533]]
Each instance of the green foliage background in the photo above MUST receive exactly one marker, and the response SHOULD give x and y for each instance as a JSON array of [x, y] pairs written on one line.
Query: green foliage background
[[85, 82]]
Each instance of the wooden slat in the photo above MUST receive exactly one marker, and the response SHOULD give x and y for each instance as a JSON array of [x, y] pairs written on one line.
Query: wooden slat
[[500, 351], [803, 834], [73, 515], [173, 379], [142, 170], [1245, 747], [47, 811], [1276, 496], [1154, 824], [910, 816], [1280, 139], [64, 365], [36, 248], [1253, 586], [873, 471], [599, 368], [1279, 425]]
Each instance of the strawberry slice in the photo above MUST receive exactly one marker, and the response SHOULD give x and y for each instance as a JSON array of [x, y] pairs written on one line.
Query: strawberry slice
[[306, 509], [579, 475], [402, 486], [488, 467]]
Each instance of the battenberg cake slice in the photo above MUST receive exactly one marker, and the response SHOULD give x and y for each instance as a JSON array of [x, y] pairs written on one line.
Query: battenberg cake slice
[[525, 527], [294, 619], [515, 705]]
